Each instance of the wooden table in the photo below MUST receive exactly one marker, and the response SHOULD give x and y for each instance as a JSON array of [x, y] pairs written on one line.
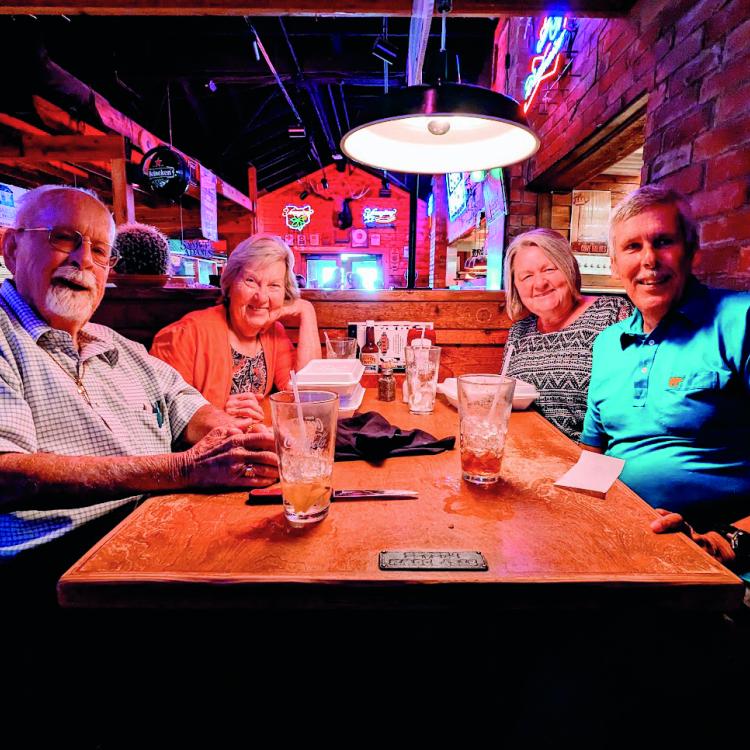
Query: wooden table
[[546, 547]]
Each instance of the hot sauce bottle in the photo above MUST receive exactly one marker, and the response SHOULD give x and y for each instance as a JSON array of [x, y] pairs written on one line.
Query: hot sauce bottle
[[369, 354]]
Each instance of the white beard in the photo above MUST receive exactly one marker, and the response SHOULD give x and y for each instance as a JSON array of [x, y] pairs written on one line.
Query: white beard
[[71, 305]]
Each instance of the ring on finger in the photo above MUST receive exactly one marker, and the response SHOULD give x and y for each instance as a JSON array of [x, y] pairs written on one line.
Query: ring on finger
[[249, 470]]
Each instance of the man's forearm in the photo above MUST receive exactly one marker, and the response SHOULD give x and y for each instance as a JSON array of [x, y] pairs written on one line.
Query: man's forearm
[[50, 480]]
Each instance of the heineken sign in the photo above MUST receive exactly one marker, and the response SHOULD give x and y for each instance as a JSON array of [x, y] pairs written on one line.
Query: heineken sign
[[166, 172]]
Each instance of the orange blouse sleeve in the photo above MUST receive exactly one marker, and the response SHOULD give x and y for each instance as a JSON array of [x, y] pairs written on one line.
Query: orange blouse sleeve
[[176, 345]]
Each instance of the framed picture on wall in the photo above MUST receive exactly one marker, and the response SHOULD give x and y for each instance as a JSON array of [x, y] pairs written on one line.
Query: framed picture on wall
[[589, 220], [375, 240]]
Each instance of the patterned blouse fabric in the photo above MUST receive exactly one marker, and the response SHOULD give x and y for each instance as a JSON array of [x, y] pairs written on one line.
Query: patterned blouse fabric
[[559, 363], [249, 374]]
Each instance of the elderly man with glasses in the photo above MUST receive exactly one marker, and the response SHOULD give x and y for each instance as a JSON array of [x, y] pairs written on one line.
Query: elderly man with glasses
[[89, 420]]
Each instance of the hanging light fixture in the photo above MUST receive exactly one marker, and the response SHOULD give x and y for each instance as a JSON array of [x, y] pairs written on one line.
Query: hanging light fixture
[[441, 128]]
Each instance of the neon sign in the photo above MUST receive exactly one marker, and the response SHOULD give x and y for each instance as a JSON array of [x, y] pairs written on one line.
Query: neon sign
[[555, 31], [457, 195], [297, 217], [379, 216]]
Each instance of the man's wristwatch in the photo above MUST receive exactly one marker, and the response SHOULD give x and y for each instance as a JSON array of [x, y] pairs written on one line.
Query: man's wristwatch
[[739, 540]]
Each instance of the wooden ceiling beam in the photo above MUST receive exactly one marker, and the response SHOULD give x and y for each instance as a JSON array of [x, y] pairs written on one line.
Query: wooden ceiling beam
[[394, 8], [28, 148], [55, 117], [610, 143], [59, 168]]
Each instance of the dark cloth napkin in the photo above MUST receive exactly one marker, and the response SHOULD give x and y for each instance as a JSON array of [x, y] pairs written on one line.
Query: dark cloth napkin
[[371, 437]]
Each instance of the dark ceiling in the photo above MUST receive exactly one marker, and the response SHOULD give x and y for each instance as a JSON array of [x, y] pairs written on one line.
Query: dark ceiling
[[227, 110]]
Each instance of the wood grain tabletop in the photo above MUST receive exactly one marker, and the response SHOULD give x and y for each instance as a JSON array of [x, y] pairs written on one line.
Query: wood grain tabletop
[[545, 546]]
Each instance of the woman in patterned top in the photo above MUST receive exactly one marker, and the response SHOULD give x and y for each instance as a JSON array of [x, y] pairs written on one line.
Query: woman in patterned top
[[236, 352], [555, 326]]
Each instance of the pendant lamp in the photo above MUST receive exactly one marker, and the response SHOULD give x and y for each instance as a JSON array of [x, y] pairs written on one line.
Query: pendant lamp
[[441, 128], [435, 129]]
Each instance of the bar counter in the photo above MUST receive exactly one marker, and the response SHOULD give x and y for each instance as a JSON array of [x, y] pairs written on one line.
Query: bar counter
[[472, 326], [547, 548]]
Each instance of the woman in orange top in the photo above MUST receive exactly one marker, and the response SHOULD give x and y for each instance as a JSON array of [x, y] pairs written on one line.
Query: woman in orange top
[[236, 352]]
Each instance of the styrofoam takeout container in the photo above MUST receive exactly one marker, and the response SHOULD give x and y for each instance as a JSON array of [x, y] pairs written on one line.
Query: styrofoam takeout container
[[341, 376], [523, 396]]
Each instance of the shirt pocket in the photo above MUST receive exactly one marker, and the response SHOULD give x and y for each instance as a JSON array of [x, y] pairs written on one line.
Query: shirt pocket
[[689, 403], [139, 425]]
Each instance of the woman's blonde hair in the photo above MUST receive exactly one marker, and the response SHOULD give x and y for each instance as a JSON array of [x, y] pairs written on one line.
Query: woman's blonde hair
[[260, 250], [557, 249]]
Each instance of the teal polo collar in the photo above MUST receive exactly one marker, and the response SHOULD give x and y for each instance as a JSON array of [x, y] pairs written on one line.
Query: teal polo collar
[[692, 306]]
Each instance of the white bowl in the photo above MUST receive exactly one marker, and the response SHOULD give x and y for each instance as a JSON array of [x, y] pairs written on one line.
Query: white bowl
[[341, 376], [523, 396]]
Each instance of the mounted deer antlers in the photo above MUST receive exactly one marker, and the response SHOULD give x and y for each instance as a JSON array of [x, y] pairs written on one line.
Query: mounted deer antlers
[[314, 188], [342, 214]]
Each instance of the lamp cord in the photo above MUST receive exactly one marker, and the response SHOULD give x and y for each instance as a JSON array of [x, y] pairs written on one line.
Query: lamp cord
[[169, 114]]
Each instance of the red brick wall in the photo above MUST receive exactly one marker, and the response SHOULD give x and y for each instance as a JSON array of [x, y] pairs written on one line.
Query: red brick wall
[[692, 58], [393, 240]]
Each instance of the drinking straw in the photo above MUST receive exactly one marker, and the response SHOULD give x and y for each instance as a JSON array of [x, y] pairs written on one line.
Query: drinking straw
[[423, 330], [506, 361], [503, 374], [329, 345], [300, 417]]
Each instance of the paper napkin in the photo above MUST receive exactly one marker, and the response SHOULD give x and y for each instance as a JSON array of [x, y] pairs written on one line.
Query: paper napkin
[[594, 473]]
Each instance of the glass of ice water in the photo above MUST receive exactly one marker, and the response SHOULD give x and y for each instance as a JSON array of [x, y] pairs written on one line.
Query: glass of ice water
[[484, 406], [305, 436], [422, 365], [341, 348]]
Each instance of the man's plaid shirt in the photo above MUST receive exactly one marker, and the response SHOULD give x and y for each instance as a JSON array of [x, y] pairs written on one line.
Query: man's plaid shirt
[[139, 406]]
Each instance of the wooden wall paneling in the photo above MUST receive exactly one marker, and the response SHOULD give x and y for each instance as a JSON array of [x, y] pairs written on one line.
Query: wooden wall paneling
[[544, 210], [561, 218], [472, 327]]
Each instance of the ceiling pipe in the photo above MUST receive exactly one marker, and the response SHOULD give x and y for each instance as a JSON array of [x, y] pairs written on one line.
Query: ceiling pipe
[[273, 70], [313, 93], [335, 110]]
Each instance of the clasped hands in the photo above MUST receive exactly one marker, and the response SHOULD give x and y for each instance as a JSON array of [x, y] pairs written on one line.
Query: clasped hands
[[230, 457]]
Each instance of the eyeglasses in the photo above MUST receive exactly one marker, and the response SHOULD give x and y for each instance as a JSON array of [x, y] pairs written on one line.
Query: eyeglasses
[[66, 240]]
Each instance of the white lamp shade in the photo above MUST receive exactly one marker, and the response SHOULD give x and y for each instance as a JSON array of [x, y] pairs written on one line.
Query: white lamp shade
[[440, 129]]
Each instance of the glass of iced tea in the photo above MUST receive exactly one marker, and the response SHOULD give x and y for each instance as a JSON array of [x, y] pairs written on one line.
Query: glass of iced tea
[[484, 406], [305, 435]]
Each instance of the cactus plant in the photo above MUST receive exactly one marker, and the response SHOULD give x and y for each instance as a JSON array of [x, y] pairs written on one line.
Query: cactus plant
[[143, 249]]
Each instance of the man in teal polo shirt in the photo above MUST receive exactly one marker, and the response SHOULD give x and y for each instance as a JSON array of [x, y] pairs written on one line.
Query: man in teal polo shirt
[[670, 386]]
